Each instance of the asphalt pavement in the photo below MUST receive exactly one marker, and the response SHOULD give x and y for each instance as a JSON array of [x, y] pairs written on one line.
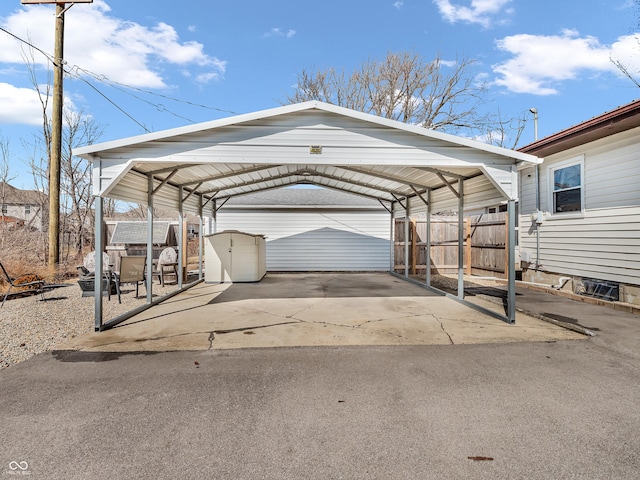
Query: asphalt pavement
[[536, 410]]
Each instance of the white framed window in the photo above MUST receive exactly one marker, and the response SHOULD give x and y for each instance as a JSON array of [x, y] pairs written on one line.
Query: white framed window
[[566, 187], [5, 209], [27, 209]]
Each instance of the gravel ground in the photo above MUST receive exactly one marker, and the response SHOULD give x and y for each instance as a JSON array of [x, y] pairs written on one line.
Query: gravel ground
[[29, 326]]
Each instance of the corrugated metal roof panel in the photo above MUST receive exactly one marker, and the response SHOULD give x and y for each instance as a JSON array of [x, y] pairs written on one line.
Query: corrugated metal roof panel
[[298, 197]]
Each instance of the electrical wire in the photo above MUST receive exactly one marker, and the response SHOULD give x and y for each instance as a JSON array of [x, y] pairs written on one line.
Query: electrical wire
[[74, 70], [49, 57], [122, 110], [107, 80]]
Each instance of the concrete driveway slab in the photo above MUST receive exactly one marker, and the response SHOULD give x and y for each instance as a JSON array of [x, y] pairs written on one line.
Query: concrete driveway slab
[[285, 310]]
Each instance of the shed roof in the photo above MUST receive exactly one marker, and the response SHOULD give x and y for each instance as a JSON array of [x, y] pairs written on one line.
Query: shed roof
[[307, 143]]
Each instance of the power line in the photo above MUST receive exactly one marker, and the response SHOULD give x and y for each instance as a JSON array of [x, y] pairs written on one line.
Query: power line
[[107, 80], [49, 57], [114, 84], [157, 106], [114, 104]]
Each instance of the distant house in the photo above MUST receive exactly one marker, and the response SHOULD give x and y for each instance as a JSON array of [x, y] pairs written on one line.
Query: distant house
[[581, 218], [22, 208]]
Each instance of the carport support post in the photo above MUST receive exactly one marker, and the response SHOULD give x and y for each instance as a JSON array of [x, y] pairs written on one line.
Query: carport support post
[[406, 237], [150, 239], [392, 259], [511, 257], [460, 239], [97, 289], [180, 237], [200, 239], [428, 247]]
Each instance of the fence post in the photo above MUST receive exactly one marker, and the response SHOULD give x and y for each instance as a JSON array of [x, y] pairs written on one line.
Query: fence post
[[414, 246], [467, 251]]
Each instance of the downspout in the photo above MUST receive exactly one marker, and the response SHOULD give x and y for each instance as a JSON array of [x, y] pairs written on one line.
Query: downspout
[[537, 180]]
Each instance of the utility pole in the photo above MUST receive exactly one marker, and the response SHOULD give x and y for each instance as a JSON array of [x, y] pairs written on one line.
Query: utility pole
[[55, 153], [56, 140]]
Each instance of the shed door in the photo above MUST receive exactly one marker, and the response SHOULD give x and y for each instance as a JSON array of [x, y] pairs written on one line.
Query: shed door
[[317, 240]]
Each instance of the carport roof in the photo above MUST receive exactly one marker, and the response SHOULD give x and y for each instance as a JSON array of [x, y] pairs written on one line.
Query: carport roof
[[307, 143]]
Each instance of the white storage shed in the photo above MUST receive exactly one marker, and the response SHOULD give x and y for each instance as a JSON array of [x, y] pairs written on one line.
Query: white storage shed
[[233, 256]]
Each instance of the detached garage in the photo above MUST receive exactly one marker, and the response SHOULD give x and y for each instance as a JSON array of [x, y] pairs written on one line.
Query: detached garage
[[406, 169], [313, 229]]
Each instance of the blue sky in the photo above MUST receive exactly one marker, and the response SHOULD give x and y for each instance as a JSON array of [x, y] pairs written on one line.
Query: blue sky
[[240, 56]]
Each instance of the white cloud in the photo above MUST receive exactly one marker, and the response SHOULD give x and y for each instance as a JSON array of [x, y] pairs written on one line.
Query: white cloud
[[19, 105], [121, 50], [540, 63], [398, 5], [279, 32], [482, 12]]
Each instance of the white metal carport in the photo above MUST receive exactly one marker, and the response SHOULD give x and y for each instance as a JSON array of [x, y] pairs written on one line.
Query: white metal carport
[[407, 168]]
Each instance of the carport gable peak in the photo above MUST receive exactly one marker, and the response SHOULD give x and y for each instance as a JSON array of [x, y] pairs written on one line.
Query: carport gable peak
[[171, 135], [285, 136]]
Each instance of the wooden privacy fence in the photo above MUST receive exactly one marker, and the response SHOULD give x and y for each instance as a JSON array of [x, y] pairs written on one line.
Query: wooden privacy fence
[[485, 239]]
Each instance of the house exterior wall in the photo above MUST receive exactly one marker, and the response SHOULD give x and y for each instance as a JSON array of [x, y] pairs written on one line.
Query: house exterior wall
[[316, 240], [603, 240], [32, 219]]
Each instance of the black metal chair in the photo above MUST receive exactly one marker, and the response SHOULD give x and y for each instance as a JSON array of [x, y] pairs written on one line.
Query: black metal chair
[[87, 276], [23, 281]]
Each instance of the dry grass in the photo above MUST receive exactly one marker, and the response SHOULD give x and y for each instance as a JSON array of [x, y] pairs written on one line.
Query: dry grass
[[23, 253]]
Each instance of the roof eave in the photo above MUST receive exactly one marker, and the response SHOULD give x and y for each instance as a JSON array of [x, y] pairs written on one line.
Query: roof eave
[[615, 121]]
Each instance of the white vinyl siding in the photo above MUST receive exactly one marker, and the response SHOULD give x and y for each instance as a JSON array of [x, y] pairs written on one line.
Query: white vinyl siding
[[605, 242], [312, 240]]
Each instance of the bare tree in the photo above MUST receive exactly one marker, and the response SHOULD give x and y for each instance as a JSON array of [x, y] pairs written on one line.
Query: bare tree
[[437, 95], [78, 129], [503, 132], [5, 178], [76, 184]]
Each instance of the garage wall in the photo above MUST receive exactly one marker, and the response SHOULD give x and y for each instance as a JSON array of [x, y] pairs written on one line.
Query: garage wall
[[316, 240]]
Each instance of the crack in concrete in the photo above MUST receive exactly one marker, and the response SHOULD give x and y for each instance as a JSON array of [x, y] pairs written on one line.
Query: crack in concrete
[[212, 337], [443, 329]]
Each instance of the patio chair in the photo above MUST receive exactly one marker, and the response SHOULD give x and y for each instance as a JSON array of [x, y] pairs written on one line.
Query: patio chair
[[30, 281], [131, 271], [87, 275], [167, 265]]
